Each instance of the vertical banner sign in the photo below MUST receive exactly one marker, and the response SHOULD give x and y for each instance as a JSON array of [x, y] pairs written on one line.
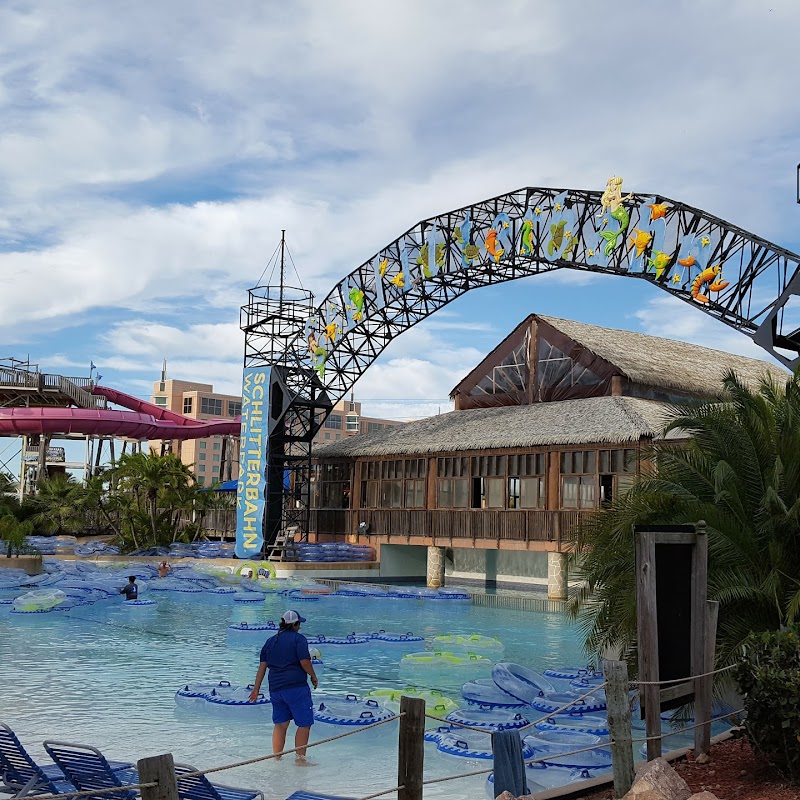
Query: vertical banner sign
[[252, 462]]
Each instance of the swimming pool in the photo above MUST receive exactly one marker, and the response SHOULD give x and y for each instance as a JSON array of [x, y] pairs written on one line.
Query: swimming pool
[[106, 676]]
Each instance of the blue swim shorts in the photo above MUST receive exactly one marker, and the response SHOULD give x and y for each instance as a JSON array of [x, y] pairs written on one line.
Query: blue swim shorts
[[294, 703]]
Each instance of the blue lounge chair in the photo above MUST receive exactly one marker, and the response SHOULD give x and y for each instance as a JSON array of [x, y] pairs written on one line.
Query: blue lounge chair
[[301, 795], [20, 775], [87, 768]]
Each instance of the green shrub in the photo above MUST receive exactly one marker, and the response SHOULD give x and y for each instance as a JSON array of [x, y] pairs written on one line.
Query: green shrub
[[768, 675]]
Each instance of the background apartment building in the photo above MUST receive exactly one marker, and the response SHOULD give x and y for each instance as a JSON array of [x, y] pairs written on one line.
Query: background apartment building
[[215, 458], [346, 420]]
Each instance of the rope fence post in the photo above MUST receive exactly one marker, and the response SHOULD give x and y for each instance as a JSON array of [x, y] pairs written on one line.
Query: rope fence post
[[704, 685], [619, 725], [161, 771], [411, 748]]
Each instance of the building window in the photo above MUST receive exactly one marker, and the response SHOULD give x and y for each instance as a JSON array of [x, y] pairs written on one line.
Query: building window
[[352, 422], [202, 445], [334, 478], [162, 387], [616, 469], [234, 408], [338, 436], [374, 426], [334, 421], [216, 445], [352, 407], [201, 468], [452, 485], [579, 479], [201, 480], [211, 405], [526, 484], [202, 456], [327, 435], [187, 405], [393, 484], [215, 457], [161, 401]]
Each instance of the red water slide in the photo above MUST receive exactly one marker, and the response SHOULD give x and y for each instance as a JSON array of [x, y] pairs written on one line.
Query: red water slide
[[143, 421]]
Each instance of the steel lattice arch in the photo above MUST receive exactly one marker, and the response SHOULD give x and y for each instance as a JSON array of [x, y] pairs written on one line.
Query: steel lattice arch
[[316, 354]]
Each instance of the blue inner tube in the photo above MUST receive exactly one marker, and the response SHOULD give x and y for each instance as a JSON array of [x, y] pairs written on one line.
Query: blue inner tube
[[485, 692], [394, 638], [137, 603], [260, 627], [336, 640], [521, 682], [473, 744], [550, 752], [571, 673], [252, 597], [578, 723], [490, 719], [350, 711], [553, 701], [235, 697], [193, 690]]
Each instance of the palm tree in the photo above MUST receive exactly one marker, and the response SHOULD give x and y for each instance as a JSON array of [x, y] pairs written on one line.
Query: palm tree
[[152, 482], [58, 506], [741, 473]]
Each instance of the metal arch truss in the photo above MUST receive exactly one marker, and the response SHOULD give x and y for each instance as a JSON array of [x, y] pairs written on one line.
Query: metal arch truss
[[739, 278]]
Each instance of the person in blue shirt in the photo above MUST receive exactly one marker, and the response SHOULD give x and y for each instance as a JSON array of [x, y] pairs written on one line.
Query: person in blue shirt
[[286, 657], [131, 591]]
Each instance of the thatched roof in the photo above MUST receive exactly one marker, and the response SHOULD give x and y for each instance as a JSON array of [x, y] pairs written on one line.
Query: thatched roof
[[666, 363], [615, 420]]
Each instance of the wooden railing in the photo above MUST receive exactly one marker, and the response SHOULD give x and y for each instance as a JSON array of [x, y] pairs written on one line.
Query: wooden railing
[[518, 526]]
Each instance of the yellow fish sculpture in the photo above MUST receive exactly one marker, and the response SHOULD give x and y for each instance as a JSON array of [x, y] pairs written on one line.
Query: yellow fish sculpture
[[640, 240]]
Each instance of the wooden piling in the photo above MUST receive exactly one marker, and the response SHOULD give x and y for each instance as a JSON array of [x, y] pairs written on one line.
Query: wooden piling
[[411, 748], [619, 725], [160, 769]]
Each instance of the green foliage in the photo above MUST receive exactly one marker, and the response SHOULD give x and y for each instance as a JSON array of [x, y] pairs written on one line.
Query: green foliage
[[12, 535], [768, 675], [741, 473]]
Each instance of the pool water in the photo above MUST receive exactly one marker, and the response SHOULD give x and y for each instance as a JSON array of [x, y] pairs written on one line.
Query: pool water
[[105, 675]]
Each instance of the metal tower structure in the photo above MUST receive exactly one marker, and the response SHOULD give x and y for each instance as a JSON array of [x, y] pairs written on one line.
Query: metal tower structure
[[273, 319]]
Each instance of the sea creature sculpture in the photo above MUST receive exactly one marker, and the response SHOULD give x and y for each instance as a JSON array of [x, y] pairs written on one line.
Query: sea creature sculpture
[[659, 262], [526, 238], [657, 210], [383, 266], [492, 248], [398, 280], [318, 354], [612, 198], [557, 236], [705, 241], [470, 251], [611, 238], [689, 261], [332, 330], [357, 299], [710, 278], [640, 240], [422, 259]]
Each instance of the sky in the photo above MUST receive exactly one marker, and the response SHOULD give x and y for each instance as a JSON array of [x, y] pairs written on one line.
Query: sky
[[151, 153]]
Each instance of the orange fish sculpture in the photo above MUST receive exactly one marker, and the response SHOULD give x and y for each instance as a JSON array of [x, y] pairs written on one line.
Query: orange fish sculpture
[[711, 278], [492, 248]]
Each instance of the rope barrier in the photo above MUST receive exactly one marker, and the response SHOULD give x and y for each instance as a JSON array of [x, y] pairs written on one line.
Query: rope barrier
[[186, 775], [634, 684], [385, 791], [684, 729]]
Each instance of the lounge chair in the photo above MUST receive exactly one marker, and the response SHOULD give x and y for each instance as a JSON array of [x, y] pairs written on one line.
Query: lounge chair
[[87, 768], [20, 775], [301, 795]]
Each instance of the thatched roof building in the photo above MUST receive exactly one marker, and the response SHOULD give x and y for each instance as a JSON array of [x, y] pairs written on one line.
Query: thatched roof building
[[595, 420]]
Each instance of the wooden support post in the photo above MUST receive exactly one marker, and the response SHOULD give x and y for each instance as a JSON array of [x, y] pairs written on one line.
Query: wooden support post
[[704, 694], [619, 725], [160, 769], [648, 643], [411, 748]]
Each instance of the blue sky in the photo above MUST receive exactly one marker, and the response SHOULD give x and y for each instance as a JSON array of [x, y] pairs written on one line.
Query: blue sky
[[150, 154]]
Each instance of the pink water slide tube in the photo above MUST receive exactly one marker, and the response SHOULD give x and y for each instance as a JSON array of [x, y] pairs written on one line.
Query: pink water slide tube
[[142, 421]]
